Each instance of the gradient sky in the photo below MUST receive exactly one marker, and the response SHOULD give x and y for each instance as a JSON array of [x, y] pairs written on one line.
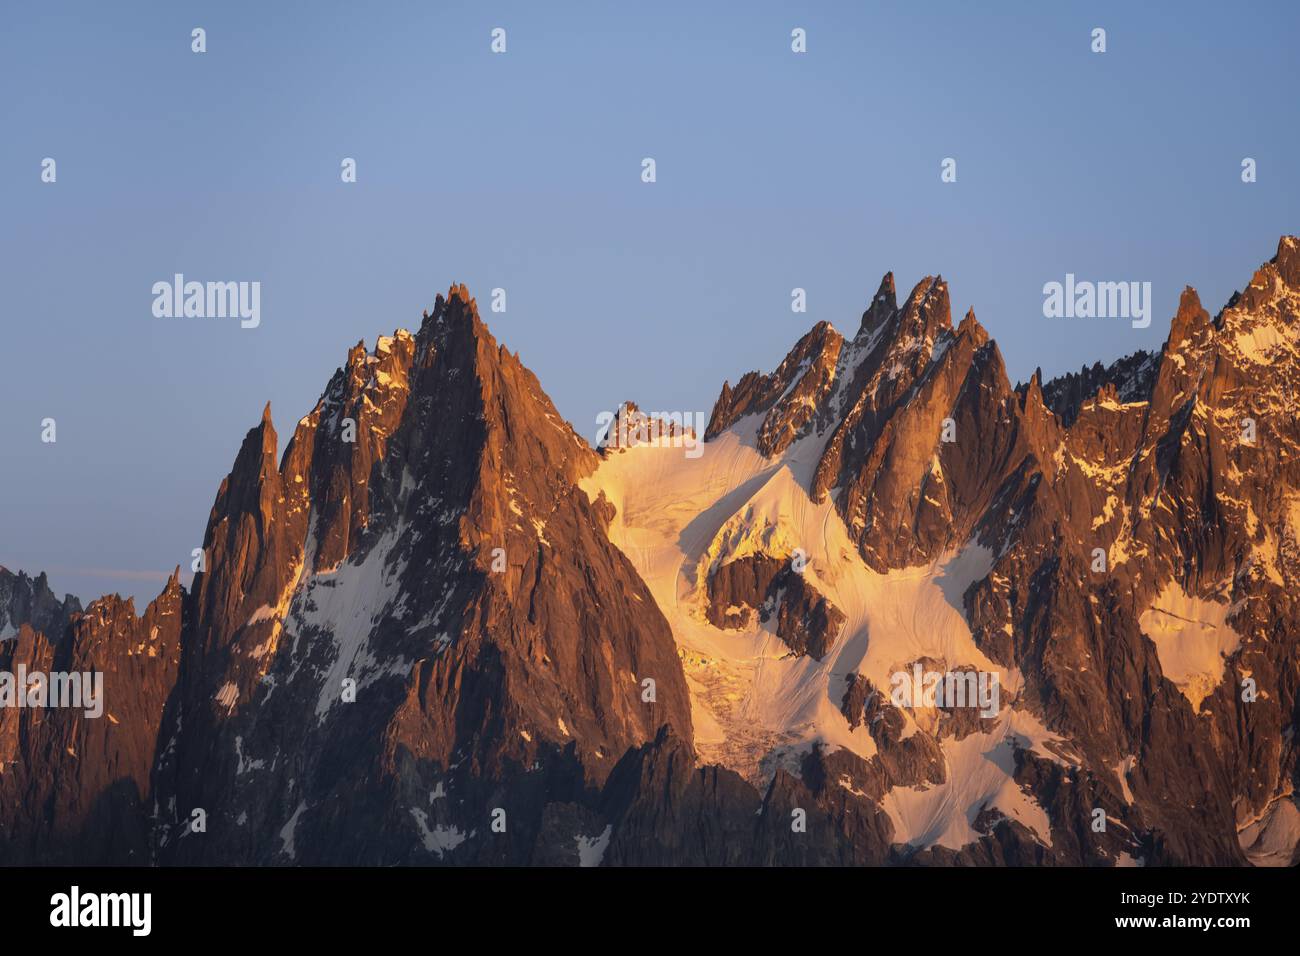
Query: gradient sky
[[522, 171]]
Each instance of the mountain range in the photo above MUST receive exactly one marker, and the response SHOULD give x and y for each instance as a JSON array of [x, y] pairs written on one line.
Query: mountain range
[[440, 627]]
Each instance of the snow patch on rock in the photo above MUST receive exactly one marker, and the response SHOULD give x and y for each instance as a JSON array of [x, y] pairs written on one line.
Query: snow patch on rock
[[1192, 639]]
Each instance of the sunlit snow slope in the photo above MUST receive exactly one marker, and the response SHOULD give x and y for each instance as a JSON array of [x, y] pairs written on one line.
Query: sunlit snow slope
[[756, 704]]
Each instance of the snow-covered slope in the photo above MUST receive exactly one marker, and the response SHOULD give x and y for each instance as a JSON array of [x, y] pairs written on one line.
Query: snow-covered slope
[[757, 705]]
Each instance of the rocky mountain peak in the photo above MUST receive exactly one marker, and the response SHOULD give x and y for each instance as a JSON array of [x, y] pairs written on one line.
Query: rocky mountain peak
[[1287, 261], [1191, 323], [883, 305], [631, 427], [789, 397], [425, 540], [928, 309], [28, 600], [971, 327]]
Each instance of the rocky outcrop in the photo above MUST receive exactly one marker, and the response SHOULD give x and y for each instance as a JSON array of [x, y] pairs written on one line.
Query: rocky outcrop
[[75, 779], [1129, 380], [630, 427], [25, 600], [738, 588], [788, 398], [766, 586]]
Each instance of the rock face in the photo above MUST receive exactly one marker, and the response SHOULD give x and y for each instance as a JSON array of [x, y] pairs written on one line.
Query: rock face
[[30, 601], [401, 634], [788, 397], [805, 620], [441, 628], [1130, 379], [75, 789], [630, 427]]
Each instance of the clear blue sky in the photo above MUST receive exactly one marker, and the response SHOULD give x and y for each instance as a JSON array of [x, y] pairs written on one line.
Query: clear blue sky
[[522, 171]]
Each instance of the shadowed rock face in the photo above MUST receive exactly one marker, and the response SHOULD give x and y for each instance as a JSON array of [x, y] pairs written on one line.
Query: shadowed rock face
[[413, 642], [25, 600], [805, 620], [1129, 378], [738, 588]]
